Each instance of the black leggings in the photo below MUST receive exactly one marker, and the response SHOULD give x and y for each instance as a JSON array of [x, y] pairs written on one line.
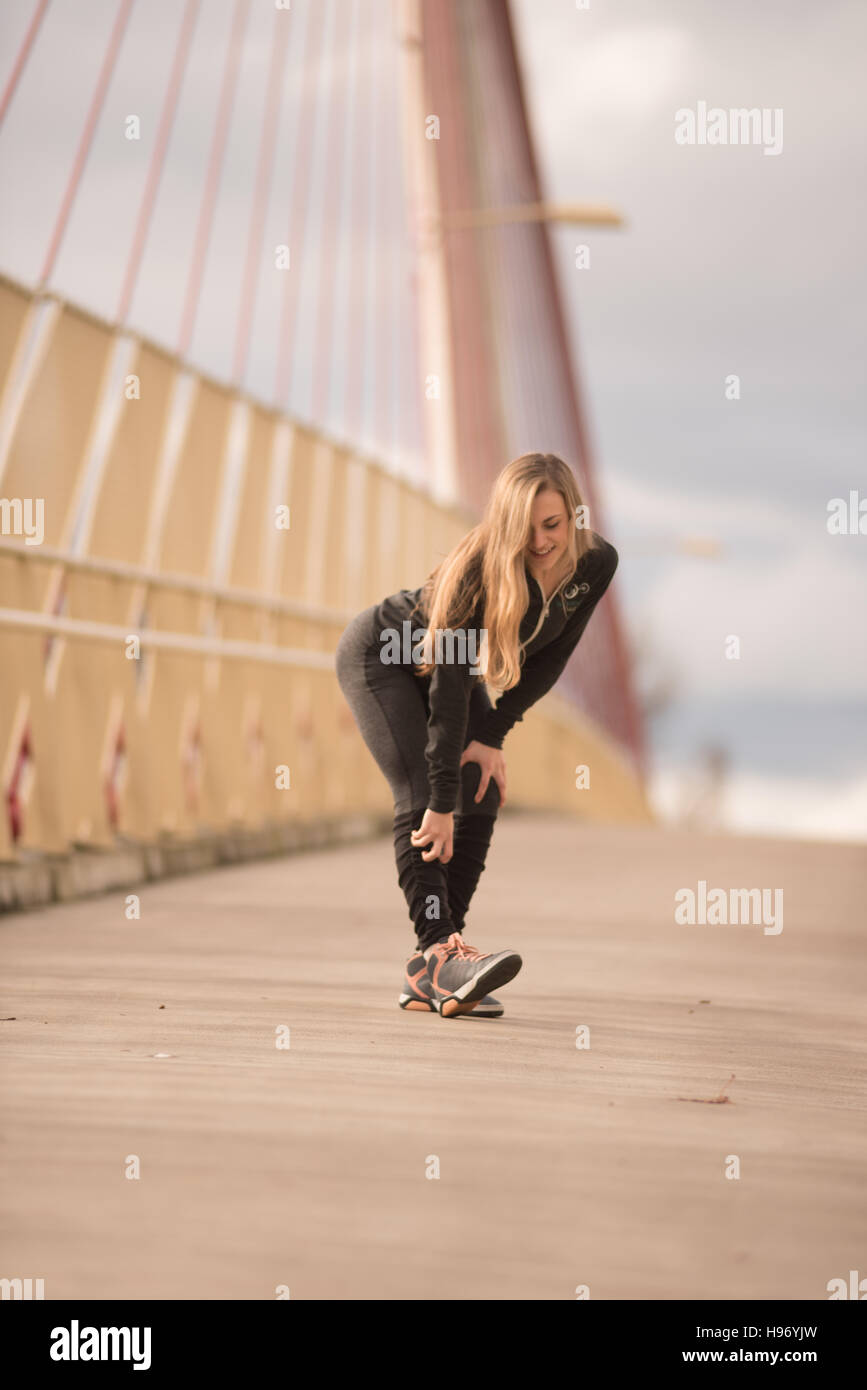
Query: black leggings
[[391, 709]]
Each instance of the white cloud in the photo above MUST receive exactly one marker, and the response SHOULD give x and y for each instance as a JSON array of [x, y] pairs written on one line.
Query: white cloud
[[629, 71], [644, 507], [791, 593], [798, 618], [810, 808]]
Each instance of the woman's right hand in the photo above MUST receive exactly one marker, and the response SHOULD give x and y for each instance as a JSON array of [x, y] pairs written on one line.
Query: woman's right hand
[[436, 829]]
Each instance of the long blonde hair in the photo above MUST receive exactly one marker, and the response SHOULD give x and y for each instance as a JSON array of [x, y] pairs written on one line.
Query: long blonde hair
[[487, 566]]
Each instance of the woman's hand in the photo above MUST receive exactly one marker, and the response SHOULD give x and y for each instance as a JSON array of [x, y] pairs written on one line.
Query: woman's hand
[[437, 827], [492, 763]]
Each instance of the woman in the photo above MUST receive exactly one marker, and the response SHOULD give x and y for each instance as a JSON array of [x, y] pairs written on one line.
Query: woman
[[508, 604]]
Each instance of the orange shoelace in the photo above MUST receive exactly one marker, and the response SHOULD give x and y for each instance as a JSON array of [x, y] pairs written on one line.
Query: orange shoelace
[[456, 943]]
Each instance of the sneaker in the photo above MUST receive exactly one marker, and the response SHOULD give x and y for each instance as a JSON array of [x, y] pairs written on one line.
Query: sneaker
[[417, 993], [460, 975]]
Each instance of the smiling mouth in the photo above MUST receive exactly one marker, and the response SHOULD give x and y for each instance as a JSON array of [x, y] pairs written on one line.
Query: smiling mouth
[[541, 553]]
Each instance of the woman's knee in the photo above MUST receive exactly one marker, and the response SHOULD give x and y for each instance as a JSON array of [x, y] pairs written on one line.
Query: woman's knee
[[471, 776]]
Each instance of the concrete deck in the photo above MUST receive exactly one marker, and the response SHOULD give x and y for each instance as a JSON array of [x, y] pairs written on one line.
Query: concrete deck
[[558, 1167]]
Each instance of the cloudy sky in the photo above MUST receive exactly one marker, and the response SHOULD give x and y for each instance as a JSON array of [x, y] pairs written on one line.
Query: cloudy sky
[[732, 262]]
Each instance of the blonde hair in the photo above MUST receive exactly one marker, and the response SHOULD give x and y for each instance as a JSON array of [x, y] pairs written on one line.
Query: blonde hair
[[487, 566]]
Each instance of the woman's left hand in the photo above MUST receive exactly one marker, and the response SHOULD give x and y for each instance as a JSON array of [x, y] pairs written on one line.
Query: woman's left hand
[[492, 763]]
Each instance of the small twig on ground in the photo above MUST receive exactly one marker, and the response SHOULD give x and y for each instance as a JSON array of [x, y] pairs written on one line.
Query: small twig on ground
[[721, 1099]]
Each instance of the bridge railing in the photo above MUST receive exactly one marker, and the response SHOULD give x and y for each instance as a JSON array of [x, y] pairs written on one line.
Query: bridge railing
[[177, 564]]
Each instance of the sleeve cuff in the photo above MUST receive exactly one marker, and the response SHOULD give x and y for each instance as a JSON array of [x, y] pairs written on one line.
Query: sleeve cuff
[[489, 734]]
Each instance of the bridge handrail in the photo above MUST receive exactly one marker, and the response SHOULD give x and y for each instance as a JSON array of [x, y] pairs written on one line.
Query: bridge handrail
[[179, 583]]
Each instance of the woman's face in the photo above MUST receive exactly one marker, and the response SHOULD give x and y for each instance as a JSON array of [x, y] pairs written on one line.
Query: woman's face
[[549, 534]]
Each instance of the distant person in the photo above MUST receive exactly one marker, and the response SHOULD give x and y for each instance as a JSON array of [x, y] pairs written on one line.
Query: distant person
[[517, 593]]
